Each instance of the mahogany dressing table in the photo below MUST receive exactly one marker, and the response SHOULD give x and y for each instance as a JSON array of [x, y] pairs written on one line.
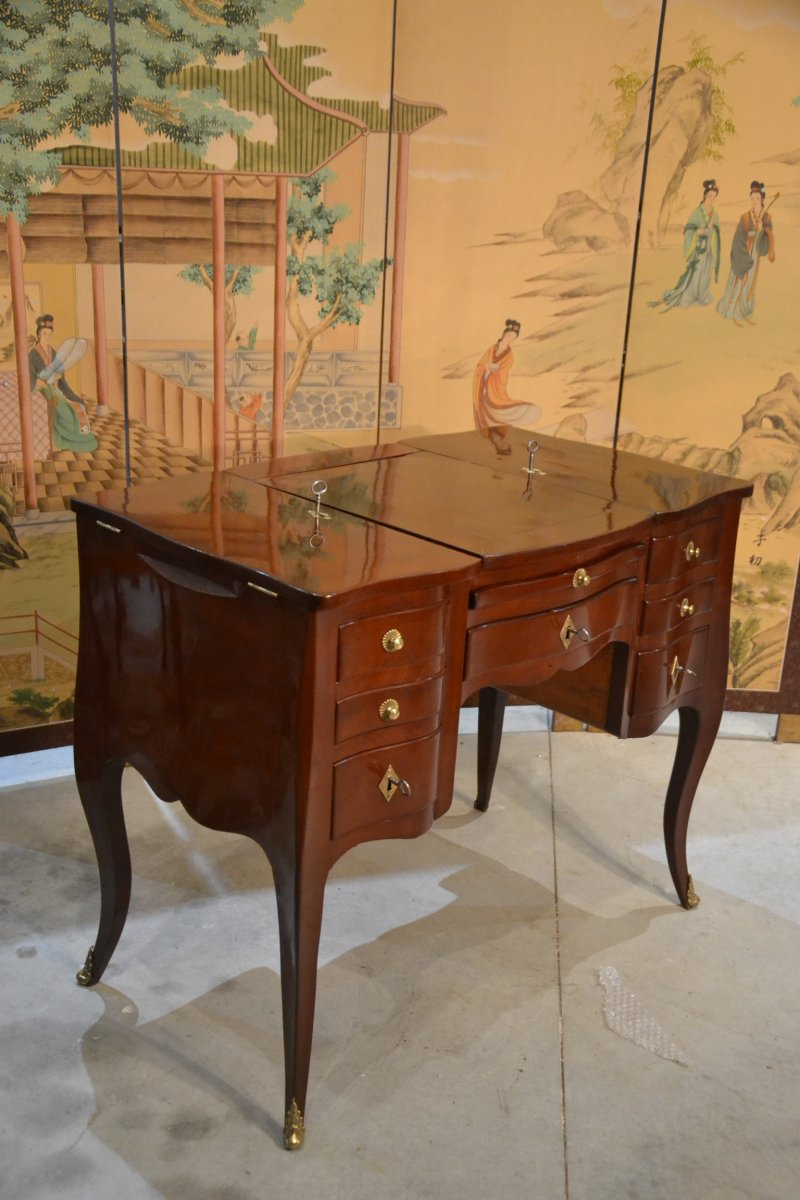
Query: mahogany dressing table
[[284, 647]]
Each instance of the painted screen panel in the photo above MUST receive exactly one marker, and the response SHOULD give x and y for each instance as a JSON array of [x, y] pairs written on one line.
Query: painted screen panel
[[140, 394], [521, 201], [712, 375], [301, 234], [51, 80]]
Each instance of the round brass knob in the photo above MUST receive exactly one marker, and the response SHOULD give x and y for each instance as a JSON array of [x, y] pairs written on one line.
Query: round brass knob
[[389, 710], [687, 609], [581, 578], [692, 551], [392, 641]]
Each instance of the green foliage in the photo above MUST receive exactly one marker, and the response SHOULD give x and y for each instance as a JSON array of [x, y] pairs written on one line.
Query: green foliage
[[238, 282], [779, 573], [33, 703], [627, 83], [743, 594], [308, 218], [743, 630], [10, 550], [240, 277], [338, 279], [55, 75], [749, 660], [65, 709], [701, 58], [231, 501]]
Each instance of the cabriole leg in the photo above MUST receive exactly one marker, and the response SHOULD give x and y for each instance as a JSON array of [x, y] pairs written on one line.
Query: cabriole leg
[[698, 729], [101, 797]]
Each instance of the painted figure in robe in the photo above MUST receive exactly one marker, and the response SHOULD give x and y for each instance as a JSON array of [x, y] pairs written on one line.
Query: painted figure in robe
[[753, 240], [701, 252], [69, 421], [492, 407]]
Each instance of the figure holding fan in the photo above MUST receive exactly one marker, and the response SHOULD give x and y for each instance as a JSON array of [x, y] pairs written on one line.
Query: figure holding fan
[[69, 421]]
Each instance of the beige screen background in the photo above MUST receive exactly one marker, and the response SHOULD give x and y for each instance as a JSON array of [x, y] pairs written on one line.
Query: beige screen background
[[511, 176]]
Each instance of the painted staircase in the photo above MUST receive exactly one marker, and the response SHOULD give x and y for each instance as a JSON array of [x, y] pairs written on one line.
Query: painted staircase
[[66, 474]]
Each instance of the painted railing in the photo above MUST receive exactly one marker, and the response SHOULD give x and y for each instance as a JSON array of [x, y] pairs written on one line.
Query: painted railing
[[43, 640]]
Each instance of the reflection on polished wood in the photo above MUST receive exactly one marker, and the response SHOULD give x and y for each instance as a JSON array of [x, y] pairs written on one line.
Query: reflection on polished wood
[[295, 674]]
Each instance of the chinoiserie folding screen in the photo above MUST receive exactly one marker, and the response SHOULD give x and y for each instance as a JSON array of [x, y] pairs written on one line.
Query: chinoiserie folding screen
[[326, 223]]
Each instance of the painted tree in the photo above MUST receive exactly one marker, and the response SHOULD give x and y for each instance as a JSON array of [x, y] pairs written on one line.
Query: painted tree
[[238, 282], [340, 282], [627, 82], [11, 552], [55, 75], [701, 58], [753, 654]]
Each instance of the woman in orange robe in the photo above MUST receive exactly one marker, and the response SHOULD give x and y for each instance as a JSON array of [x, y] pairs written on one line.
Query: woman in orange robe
[[491, 404]]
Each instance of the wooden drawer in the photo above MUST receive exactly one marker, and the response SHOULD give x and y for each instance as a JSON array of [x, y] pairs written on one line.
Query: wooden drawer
[[359, 803], [567, 587], [522, 640], [696, 545], [659, 682], [662, 616], [362, 713], [365, 646]]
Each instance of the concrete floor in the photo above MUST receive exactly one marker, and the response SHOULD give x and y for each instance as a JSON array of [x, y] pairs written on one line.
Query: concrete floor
[[512, 1007]]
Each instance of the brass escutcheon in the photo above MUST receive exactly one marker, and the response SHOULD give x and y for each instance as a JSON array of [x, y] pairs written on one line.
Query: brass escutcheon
[[692, 551], [392, 782], [569, 631], [581, 578], [676, 669], [686, 608], [389, 710], [392, 641]]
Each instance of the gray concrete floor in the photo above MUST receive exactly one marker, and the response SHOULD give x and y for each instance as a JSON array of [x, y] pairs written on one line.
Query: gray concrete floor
[[510, 1007]]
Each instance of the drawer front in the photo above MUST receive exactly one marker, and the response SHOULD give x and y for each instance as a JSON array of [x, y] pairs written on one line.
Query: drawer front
[[673, 556], [665, 675], [522, 640], [358, 801], [388, 708], [388, 643], [567, 587], [692, 600]]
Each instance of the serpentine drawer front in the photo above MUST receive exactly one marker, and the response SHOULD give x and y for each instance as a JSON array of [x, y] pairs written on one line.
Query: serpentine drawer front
[[571, 634], [671, 671], [386, 709], [695, 545], [579, 582], [389, 643], [364, 794], [692, 599]]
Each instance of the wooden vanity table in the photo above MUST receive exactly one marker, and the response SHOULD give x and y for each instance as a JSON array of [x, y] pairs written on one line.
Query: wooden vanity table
[[285, 647]]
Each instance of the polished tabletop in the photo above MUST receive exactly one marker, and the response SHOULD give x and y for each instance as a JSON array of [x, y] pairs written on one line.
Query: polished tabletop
[[442, 504], [263, 531]]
